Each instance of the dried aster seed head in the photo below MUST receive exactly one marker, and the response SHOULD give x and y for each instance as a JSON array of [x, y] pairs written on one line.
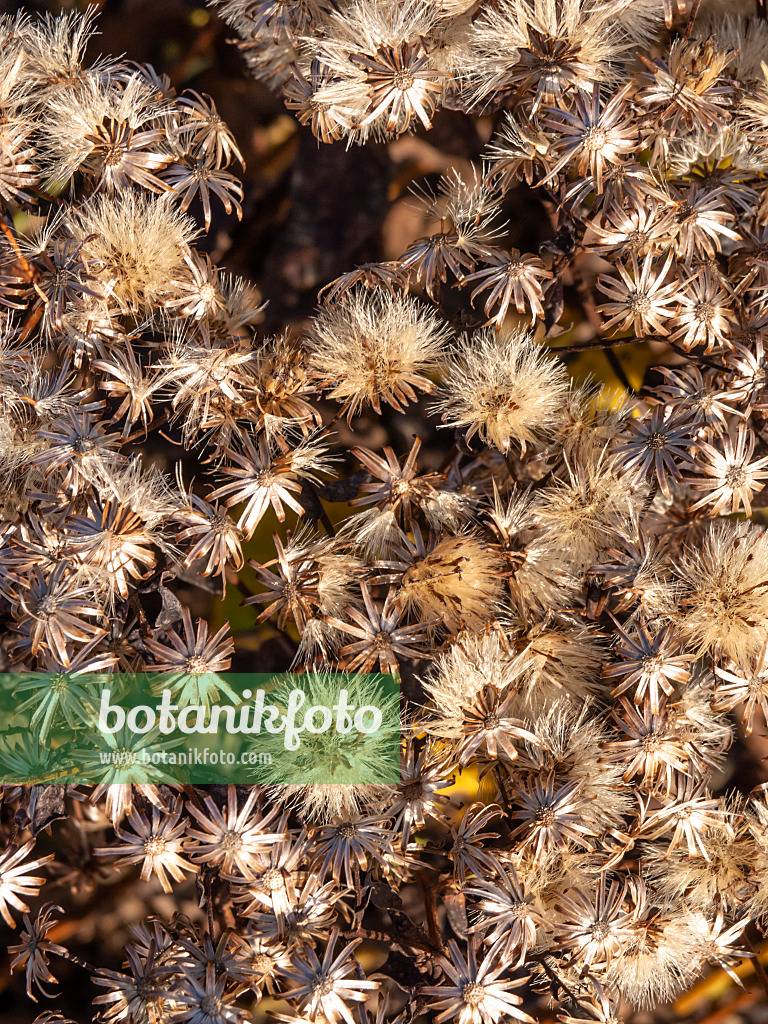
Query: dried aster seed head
[[725, 597], [140, 269], [659, 958], [381, 77], [103, 129], [457, 583], [585, 507], [461, 672], [503, 388], [375, 348]]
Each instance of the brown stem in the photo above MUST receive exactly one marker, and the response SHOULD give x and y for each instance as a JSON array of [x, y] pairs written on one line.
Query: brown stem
[[595, 344], [66, 955], [357, 885], [142, 431], [207, 901], [314, 507], [25, 266], [588, 306], [762, 977], [692, 18], [696, 357], [144, 627], [242, 588], [325, 520], [430, 906], [510, 467], [618, 369], [502, 787], [556, 979], [649, 500]]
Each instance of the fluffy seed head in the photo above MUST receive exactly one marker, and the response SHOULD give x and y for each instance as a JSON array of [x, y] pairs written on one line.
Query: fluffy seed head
[[141, 268], [375, 348], [457, 583], [726, 596], [503, 387]]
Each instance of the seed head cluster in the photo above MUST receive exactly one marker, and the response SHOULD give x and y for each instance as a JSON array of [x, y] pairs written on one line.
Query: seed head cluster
[[570, 579]]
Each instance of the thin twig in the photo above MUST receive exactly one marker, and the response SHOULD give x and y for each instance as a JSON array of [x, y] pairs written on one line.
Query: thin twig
[[25, 266], [207, 900], [588, 306], [141, 432], [510, 467], [618, 369], [597, 344], [649, 500], [66, 955], [697, 357], [433, 923], [692, 18], [762, 977]]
